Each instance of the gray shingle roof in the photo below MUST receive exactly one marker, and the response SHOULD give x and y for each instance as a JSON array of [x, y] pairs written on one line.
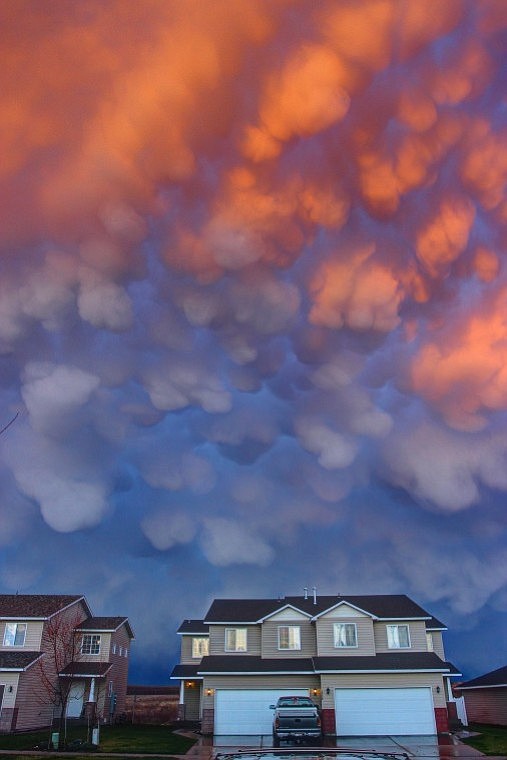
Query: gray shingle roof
[[384, 661], [96, 669], [35, 605], [254, 664], [104, 624], [185, 671], [394, 606], [198, 627], [17, 660], [493, 678]]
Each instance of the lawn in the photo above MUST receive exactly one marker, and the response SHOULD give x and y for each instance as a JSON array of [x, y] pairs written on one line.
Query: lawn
[[491, 740], [154, 740]]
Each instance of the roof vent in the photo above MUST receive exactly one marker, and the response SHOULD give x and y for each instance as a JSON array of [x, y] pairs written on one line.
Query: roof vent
[[306, 592], [315, 594]]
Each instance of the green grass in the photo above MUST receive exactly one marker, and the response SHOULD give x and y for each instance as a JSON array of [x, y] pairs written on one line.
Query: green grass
[[155, 740], [492, 740]]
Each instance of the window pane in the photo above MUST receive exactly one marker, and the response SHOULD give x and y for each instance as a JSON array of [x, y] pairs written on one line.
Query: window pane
[[241, 640], [15, 634], [235, 639], [200, 647], [345, 635], [289, 637], [397, 637]]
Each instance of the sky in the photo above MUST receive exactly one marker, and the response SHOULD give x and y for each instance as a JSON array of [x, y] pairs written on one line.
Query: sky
[[253, 308]]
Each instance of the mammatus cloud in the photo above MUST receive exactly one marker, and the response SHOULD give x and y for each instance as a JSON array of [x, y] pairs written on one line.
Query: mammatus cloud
[[253, 298]]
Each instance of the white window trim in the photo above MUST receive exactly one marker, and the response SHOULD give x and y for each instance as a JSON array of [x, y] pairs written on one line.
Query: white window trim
[[344, 646], [98, 643], [14, 646], [227, 630], [399, 625], [289, 648], [199, 655]]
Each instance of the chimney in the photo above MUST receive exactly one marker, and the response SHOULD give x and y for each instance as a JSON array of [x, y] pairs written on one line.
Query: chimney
[[315, 594], [306, 592]]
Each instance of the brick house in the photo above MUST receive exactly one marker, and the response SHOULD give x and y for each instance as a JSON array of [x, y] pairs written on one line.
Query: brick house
[[90, 666], [486, 697]]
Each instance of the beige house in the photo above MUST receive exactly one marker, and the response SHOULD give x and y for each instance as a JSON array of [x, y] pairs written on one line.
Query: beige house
[[375, 665], [51, 650]]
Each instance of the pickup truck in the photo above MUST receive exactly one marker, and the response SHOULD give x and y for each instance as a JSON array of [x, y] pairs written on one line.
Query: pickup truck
[[295, 719]]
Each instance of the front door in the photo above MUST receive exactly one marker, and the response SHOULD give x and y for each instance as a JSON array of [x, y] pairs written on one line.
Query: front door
[[76, 699]]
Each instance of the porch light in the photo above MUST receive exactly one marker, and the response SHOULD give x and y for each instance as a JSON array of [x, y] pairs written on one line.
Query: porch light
[[210, 692], [328, 690], [190, 684], [438, 689], [10, 689], [315, 692]]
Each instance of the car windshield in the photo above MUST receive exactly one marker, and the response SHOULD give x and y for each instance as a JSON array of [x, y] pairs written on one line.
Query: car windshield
[[295, 702], [293, 753]]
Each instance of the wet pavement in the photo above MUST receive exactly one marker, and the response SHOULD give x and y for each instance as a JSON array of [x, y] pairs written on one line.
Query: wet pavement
[[442, 747]]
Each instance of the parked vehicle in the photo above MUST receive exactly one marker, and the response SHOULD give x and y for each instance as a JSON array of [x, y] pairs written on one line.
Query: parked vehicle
[[295, 719]]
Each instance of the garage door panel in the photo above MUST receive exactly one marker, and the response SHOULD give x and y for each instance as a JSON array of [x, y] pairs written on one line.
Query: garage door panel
[[246, 712], [379, 712]]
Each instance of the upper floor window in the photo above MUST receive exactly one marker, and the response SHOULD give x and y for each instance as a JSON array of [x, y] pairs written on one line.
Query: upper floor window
[[345, 635], [289, 637], [429, 642], [398, 637], [235, 639], [200, 646], [90, 643], [113, 649], [15, 634]]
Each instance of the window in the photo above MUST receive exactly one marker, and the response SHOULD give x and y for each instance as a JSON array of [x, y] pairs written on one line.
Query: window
[[15, 634], [235, 639], [289, 637], [345, 635], [114, 649], [120, 651], [398, 637], [429, 642], [109, 688], [200, 646], [126, 652], [91, 643]]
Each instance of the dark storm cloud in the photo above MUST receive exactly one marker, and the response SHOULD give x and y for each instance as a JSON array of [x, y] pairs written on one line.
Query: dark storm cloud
[[252, 303]]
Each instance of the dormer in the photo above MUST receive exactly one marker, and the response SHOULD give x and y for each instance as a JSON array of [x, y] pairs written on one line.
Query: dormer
[[194, 641], [288, 632], [344, 630]]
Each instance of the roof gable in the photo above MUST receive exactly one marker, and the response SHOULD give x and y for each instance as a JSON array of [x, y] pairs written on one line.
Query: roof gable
[[344, 609], [495, 678], [287, 612]]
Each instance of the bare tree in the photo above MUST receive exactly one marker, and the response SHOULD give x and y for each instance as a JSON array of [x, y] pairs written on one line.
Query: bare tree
[[9, 423], [62, 652]]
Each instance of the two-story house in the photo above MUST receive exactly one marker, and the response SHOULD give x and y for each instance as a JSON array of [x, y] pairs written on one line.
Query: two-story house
[[375, 665], [51, 650]]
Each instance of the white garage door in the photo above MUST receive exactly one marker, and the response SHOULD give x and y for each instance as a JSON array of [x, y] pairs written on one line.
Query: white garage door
[[246, 712], [378, 712]]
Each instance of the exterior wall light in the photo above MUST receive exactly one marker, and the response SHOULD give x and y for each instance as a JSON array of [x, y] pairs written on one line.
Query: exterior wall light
[[438, 689], [10, 689], [210, 692], [315, 692], [190, 684], [328, 690]]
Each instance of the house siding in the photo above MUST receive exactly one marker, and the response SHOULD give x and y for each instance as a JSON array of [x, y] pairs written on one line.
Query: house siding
[[33, 708], [119, 672], [217, 639], [325, 637], [486, 705], [269, 639], [417, 633], [438, 644]]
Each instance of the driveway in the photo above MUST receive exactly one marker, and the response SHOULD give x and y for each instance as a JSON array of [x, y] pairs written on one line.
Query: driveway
[[442, 747]]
